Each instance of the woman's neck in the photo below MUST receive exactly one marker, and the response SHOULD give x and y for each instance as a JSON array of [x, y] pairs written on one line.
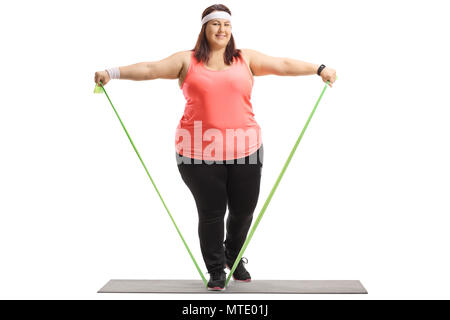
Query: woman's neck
[[217, 54]]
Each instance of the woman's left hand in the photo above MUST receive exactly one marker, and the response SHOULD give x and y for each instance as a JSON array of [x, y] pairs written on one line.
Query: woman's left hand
[[328, 74]]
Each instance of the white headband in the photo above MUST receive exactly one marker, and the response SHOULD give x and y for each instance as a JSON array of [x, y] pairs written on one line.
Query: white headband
[[215, 15]]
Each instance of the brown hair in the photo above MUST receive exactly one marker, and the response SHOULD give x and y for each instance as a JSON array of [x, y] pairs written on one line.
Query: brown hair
[[202, 49]]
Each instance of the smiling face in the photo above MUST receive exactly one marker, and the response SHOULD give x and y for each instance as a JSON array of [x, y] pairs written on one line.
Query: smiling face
[[218, 32]]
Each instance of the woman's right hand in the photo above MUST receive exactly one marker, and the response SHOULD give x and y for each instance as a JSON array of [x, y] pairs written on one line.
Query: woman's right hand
[[102, 76]]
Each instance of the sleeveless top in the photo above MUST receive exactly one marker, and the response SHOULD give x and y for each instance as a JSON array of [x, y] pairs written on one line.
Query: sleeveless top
[[218, 121]]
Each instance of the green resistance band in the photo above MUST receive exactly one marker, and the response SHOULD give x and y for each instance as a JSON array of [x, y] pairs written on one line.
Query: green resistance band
[[258, 219], [101, 89]]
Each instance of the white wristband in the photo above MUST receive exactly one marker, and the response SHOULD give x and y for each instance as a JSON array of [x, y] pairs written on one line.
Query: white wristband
[[114, 73]]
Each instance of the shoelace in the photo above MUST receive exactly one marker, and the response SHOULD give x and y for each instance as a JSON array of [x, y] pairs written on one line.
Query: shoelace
[[243, 261]]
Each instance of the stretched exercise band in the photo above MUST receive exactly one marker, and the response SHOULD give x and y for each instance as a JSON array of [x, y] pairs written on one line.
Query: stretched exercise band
[[258, 219], [99, 90]]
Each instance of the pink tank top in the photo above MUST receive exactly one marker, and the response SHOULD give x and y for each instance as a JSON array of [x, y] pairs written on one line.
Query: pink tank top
[[218, 121]]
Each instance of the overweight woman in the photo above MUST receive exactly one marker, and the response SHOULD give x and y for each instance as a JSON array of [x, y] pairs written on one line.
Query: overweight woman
[[218, 145]]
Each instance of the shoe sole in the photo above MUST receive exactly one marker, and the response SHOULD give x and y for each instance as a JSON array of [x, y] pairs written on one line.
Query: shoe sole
[[216, 289], [248, 280]]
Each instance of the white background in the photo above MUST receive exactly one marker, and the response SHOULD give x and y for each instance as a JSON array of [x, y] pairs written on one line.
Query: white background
[[365, 197]]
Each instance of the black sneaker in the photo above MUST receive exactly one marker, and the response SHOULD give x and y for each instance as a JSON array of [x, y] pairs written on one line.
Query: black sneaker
[[217, 280], [240, 274]]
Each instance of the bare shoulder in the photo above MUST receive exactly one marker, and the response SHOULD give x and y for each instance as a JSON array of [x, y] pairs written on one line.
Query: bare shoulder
[[182, 57], [262, 64], [186, 54], [167, 68], [252, 54], [246, 53], [186, 58]]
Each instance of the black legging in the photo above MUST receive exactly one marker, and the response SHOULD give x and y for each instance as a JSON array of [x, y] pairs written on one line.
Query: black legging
[[215, 185]]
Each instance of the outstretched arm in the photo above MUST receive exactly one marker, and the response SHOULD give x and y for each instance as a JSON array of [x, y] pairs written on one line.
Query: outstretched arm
[[168, 68], [262, 64]]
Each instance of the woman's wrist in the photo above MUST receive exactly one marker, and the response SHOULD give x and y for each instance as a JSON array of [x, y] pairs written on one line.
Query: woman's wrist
[[315, 67], [114, 73], [320, 68]]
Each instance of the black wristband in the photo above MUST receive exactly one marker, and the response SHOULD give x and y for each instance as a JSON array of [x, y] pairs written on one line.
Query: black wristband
[[322, 66]]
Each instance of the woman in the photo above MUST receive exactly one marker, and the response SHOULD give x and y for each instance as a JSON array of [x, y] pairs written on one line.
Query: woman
[[217, 80]]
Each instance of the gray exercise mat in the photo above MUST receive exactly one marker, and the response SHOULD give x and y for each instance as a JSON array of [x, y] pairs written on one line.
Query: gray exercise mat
[[255, 286]]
